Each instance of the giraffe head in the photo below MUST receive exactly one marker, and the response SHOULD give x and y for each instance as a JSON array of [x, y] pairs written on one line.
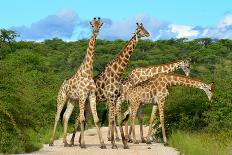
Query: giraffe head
[[96, 24], [209, 89], [185, 66], [141, 31]]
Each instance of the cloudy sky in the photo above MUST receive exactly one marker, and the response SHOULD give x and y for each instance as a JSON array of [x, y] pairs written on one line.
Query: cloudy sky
[[164, 19]]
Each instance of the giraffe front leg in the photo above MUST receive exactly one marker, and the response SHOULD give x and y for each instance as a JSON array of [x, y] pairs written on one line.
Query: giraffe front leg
[[60, 104], [140, 120], [82, 121], [67, 114], [111, 119], [161, 111], [92, 99], [119, 119], [132, 118], [125, 122], [152, 118], [75, 130], [115, 128], [109, 128]]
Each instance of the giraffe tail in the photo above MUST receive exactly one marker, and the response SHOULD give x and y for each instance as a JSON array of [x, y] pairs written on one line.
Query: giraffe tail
[[126, 117]]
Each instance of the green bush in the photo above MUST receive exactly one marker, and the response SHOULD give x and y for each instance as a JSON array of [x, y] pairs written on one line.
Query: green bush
[[31, 74]]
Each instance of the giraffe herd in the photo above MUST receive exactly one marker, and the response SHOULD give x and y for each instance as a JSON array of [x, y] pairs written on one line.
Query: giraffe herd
[[142, 86]]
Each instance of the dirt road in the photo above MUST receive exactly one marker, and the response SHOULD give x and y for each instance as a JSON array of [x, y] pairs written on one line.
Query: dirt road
[[92, 144]]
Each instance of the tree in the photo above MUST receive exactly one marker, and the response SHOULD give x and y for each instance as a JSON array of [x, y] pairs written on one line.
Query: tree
[[8, 35], [203, 41]]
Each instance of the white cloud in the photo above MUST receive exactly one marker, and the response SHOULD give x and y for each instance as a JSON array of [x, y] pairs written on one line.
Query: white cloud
[[60, 25], [225, 21], [67, 25], [183, 31]]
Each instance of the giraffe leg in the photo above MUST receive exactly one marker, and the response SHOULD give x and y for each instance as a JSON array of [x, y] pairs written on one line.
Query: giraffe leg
[[161, 111], [129, 134], [77, 122], [132, 118], [125, 121], [140, 120], [119, 119], [116, 132], [152, 118], [112, 118], [75, 130], [82, 120], [60, 104], [92, 99], [126, 115], [115, 128], [66, 117], [109, 127]]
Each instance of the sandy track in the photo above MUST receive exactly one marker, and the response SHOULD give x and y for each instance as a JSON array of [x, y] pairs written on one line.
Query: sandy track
[[92, 144]]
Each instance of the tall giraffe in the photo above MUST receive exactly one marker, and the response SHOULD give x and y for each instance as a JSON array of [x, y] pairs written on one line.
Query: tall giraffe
[[141, 74], [80, 87], [155, 91], [108, 81]]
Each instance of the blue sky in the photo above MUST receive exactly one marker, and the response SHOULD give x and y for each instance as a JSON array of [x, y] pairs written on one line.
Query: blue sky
[[164, 19]]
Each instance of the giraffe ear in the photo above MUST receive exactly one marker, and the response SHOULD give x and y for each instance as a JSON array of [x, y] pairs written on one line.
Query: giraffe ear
[[212, 85], [94, 18], [98, 18], [101, 24], [189, 59]]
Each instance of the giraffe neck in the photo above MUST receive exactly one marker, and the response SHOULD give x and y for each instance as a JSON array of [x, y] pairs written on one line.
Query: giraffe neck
[[172, 66], [144, 73], [87, 65], [180, 80], [118, 65]]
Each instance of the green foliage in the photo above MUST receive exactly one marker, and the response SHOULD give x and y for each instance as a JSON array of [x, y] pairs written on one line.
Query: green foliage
[[197, 144], [31, 74]]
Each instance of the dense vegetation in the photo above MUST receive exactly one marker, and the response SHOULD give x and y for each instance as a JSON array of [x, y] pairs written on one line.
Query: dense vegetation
[[31, 74]]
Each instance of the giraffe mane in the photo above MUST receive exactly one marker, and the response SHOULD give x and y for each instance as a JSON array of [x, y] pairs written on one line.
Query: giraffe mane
[[161, 64], [157, 75], [179, 75], [116, 58]]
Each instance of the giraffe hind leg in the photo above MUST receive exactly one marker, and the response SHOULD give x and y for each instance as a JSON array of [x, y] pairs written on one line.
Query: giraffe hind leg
[[62, 97], [92, 99], [66, 117]]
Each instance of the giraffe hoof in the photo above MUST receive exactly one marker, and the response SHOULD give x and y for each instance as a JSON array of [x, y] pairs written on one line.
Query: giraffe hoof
[[103, 146], [143, 140], [83, 146], [114, 147], [51, 144], [67, 145], [126, 147], [166, 144], [130, 141], [136, 142], [72, 142], [148, 142], [117, 139]]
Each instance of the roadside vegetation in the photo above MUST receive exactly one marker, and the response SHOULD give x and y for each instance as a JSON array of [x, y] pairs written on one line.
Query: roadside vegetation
[[32, 72]]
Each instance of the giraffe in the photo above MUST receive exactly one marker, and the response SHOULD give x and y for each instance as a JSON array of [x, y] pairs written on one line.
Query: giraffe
[[141, 74], [108, 81], [80, 87], [155, 91]]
